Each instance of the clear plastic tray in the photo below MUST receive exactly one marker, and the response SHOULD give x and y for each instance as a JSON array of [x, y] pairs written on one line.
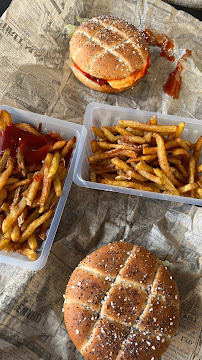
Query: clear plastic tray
[[101, 114], [67, 130]]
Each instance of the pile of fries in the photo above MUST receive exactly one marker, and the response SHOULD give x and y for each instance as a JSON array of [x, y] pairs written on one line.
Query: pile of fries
[[29, 194], [147, 156]]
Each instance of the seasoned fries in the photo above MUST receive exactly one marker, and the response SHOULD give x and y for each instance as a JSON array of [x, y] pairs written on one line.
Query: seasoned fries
[[33, 168], [147, 156]]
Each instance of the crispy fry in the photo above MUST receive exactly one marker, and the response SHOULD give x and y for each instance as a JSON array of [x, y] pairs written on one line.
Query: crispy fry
[[153, 120], [99, 133], [105, 145], [122, 131], [199, 193], [2, 122], [148, 127], [32, 242], [4, 159], [179, 151], [125, 167], [35, 224], [153, 150], [163, 161], [149, 176], [3, 195], [68, 146], [6, 116], [15, 234], [92, 176], [20, 162], [146, 158], [137, 132], [5, 207], [178, 163], [133, 139], [22, 216], [34, 187], [169, 185], [199, 168], [58, 145], [46, 182], [5, 239], [13, 215], [32, 216], [180, 128], [31, 254], [197, 150], [57, 186], [187, 187], [18, 184], [127, 184], [54, 165], [5, 175], [27, 127], [192, 171], [109, 135], [94, 146], [110, 154]]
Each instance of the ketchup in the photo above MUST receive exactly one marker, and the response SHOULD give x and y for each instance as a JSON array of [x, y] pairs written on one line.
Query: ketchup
[[33, 147], [173, 85], [161, 40], [92, 78]]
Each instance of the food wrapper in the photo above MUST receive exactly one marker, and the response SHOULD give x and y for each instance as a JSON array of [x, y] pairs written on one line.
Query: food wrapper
[[35, 76]]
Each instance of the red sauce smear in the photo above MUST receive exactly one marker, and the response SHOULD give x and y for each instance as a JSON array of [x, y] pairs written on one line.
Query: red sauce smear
[[33, 147], [161, 40], [92, 78], [174, 83]]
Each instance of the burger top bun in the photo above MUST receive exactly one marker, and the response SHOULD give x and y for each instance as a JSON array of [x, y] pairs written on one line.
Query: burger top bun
[[109, 48], [121, 303]]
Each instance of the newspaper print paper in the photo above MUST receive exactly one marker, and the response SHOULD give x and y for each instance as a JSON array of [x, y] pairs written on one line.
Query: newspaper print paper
[[34, 76]]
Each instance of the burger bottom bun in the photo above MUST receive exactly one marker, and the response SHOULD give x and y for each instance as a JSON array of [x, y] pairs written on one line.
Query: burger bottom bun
[[93, 85]]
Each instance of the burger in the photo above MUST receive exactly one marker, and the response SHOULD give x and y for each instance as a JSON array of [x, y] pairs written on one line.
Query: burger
[[108, 54]]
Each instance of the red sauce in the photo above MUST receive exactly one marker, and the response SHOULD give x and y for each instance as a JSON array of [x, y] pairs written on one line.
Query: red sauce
[[161, 40], [32, 146], [173, 85], [92, 78]]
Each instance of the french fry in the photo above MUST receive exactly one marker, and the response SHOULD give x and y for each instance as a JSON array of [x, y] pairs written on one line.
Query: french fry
[[192, 171], [178, 152], [19, 184], [169, 185], [15, 198], [6, 238], [146, 158], [34, 225], [2, 122], [46, 182], [34, 187], [137, 132], [44, 228], [29, 219], [197, 150], [99, 133], [20, 162], [122, 131], [5, 207], [4, 160], [187, 187], [92, 176], [5, 175], [32, 242], [31, 254], [3, 195], [125, 167], [105, 145], [148, 127], [153, 150], [127, 184], [6, 116], [153, 120], [149, 176], [178, 164], [29, 128], [94, 146], [199, 168], [162, 158], [54, 165], [22, 216], [15, 234], [57, 186], [58, 145], [180, 128], [13, 215], [109, 135], [133, 139], [199, 193], [110, 154], [67, 147]]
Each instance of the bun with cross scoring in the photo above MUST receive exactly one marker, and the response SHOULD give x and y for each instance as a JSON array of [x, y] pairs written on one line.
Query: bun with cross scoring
[[108, 54], [121, 303]]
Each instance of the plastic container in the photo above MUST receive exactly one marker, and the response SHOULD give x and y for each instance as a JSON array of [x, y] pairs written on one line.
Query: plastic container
[[101, 114], [67, 130]]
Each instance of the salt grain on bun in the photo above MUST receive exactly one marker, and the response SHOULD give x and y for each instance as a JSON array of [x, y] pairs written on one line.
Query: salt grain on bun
[[121, 303], [108, 54]]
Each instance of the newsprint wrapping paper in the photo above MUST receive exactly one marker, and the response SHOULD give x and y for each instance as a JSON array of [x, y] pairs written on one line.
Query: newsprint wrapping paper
[[34, 76]]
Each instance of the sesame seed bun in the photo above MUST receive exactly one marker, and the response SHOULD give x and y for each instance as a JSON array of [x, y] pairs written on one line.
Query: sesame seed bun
[[109, 49], [121, 303]]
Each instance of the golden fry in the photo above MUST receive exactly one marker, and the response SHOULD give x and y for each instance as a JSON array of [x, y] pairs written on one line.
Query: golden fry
[[110, 154], [199, 168], [92, 176], [169, 185], [54, 165], [187, 187], [99, 133], [94, 146], [148, 127], [32, 242], [2, 122], [20, 162], [5, 175], [46, 182], [15, 234], [18, 184], [31, 217], [197, 150], [192, 171], [125, 167], [4, 159], [31, 254], [6, 116], [163, 161], [3, 195], [108, 146], [57, 186], [13, 215], [67, 147], [5, 239], [127, 184], [27, 127], [34, 225], [180, 128]]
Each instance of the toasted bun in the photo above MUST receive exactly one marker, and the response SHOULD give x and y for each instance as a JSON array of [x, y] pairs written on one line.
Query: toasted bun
[[108, 48], [121, 303]]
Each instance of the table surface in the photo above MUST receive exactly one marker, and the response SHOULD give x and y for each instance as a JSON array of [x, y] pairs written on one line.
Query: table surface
[[194, 12]]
